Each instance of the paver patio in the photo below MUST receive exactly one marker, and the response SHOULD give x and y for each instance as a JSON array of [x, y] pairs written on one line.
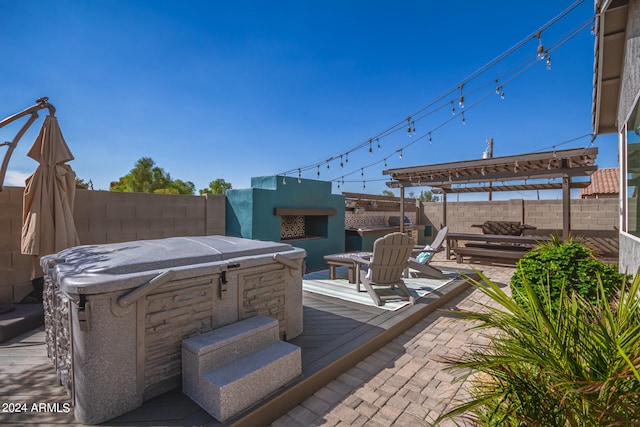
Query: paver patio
[[403, 383]]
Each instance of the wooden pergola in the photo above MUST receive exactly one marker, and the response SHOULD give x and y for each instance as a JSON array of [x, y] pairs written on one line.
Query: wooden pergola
[[510, 173]]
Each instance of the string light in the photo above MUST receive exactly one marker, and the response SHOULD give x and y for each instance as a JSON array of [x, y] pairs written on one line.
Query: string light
[[284, 179], [362, 172], [385, 162], [499, 89], [548, 61], [541, 50], [299, 176]]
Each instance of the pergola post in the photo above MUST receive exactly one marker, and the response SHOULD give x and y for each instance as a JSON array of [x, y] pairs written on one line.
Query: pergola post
[[566, 206], [402, 209], [444, 209]]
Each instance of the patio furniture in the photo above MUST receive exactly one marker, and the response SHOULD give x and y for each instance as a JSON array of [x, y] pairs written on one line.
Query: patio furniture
[[494, 246], [347, 260], [422, 260], [390, 258], [512, 228]]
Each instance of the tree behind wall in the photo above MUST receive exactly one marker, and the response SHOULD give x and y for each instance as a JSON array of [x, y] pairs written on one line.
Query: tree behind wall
[[146, 177], [219, 186]]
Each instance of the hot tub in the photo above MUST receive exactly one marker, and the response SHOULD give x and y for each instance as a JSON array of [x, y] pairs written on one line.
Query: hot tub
[[116, 314]]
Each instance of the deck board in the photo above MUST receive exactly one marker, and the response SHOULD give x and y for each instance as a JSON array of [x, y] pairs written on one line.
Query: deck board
[[332, 329]]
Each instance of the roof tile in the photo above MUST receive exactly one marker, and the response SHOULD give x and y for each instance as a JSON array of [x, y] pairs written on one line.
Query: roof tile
[[603, 181]]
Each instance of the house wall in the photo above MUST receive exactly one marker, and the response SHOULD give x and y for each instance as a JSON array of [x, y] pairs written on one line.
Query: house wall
[[630, 80], [629, 260], [105, 217]]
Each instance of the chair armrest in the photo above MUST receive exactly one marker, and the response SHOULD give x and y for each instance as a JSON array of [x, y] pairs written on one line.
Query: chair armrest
[[359, 260]]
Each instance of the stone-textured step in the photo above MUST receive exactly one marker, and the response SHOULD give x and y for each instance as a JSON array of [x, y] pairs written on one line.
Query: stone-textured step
[[231, 368], [231, 388], [222, 345]]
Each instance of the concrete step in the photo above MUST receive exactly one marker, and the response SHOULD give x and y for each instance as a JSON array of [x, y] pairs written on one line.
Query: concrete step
[[231, 368], [222, 345], [231, 388]]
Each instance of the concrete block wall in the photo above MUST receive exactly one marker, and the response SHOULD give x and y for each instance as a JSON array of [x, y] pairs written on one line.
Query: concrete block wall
[[106, 217], [15, 268], [586, 214]]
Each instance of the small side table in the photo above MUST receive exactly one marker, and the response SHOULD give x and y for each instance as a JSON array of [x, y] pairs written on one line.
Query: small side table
[[345, 259]]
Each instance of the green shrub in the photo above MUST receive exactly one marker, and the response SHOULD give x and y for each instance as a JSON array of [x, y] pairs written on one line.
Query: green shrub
[[555, 264], [575, 365]]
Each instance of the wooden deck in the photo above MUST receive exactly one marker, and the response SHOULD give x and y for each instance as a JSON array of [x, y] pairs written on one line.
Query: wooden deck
[[337, 335]]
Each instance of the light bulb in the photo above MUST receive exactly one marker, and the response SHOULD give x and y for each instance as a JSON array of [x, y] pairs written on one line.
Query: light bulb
[[461, 101], [400, 155], [541, 51], [284, 180], [548, 62]]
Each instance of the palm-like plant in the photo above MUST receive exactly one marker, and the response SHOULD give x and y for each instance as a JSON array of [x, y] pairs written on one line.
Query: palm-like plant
[[575, 364]]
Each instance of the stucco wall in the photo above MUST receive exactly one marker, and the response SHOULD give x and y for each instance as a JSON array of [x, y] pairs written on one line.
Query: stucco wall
[[629, 253], [106, 217], [250, 213]]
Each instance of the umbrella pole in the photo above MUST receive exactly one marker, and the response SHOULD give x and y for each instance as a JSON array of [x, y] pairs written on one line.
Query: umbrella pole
[[40, 104]]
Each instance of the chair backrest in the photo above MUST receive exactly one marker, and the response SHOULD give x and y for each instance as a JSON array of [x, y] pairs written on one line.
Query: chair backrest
[[439, 240], [391, 255]]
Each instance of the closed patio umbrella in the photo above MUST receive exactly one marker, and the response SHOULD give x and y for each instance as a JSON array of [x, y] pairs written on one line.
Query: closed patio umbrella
[[47, 220]]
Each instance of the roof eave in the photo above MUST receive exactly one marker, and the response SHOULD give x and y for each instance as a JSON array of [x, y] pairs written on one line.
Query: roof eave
[[608, 63]]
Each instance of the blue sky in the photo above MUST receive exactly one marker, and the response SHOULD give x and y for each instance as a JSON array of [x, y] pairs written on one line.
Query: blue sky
[[231, 90]]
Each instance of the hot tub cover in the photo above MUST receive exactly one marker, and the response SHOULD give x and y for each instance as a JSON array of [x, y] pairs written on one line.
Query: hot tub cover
[[93, 269]]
